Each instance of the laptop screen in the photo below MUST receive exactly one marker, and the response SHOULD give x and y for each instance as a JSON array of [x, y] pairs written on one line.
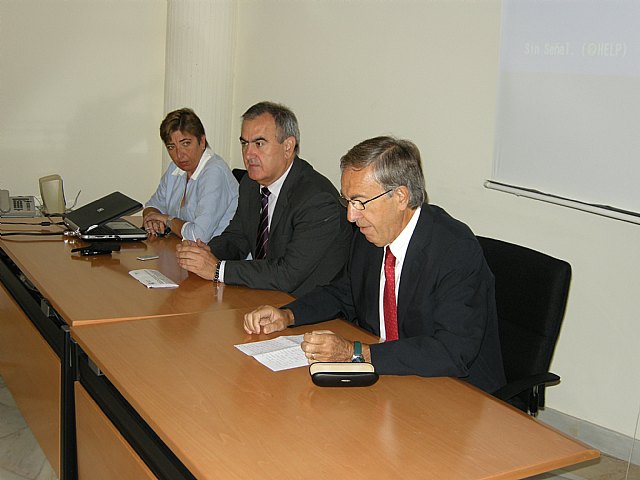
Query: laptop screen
[[121, 226], [118, 229]]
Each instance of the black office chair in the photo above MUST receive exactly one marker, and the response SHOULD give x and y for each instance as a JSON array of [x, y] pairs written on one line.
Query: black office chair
[[239, 173], [531, 296]]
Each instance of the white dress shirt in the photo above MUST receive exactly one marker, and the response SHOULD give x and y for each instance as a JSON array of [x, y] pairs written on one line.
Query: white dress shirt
[[399, 249], [274, 188]]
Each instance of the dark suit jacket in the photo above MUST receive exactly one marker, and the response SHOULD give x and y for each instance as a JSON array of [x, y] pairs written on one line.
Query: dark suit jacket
[[309, 235], [447, 322]]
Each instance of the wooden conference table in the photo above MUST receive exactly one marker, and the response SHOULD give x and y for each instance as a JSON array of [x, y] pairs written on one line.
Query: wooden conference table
[[97, 289], [227, 416], [45, 289], [167, 375]]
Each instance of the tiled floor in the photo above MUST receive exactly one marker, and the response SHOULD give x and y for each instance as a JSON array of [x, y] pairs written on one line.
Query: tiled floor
[[21, 457], [604, 468]]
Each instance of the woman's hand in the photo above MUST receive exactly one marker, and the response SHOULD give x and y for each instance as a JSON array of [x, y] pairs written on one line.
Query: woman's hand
[[153, 221]]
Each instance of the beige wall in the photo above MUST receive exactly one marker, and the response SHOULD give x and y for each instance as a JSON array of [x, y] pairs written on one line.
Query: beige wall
[[199, 66], [81, 95], [427, 70]]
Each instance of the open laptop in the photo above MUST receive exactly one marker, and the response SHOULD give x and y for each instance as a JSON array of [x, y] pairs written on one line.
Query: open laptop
[[100, 219]]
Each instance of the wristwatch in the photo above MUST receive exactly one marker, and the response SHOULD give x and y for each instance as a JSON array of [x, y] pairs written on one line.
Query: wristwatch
[[168, 222], [357, 353], [216, 276]]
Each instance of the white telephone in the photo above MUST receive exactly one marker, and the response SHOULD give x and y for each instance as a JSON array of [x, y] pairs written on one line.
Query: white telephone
[[24, 206], [52, 194]]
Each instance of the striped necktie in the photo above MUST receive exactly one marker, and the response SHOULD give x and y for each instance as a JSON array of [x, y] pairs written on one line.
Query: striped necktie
[[262, 242]]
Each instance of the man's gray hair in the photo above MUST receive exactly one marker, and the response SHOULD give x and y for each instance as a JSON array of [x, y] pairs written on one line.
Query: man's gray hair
[[286, 121], [395, 162]]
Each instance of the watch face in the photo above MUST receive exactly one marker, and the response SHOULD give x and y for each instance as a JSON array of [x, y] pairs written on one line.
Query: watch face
[[357, 352]]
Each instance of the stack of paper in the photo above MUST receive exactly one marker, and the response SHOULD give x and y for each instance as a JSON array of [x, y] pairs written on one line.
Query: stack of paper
[[152, 278], [278, 354]]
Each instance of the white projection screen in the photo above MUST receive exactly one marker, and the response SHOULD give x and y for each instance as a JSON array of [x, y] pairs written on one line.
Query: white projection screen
[[568, 116]]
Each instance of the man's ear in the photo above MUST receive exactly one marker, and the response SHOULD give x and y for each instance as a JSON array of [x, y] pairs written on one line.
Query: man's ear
[[402, 194], [289, 146]]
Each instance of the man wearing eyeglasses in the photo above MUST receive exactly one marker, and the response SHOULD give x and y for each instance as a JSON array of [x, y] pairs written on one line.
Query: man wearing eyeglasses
[[416, 277], [289, 221]]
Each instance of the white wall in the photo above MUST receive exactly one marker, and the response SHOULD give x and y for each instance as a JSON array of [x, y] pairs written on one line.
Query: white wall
[[199, 67], [427, 71], [81, 94]]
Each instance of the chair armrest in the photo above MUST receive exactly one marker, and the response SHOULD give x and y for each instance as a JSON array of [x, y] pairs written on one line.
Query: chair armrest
[[512, 389]]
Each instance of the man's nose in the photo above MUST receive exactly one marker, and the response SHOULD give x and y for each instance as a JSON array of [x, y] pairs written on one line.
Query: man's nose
[[249, 150], [352, 213]]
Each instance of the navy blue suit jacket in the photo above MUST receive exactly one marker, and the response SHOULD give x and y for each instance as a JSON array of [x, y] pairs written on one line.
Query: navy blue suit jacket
[[447, 322]]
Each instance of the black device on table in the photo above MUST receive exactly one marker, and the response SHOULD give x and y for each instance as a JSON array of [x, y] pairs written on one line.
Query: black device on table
[[103, 248]]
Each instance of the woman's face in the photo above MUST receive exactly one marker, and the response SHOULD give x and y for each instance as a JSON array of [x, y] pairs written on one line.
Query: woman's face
[[186, 150]]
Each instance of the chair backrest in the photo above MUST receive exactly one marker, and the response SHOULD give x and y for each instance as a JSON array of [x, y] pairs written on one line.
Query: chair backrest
[[239, 173], [531, 296]]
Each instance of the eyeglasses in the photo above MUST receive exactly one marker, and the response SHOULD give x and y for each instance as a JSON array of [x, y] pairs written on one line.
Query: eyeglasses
[[357, 204]]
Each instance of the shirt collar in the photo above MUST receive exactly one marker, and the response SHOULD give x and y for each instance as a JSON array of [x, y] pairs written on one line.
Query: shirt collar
[[276, 186], [206, 156], [400, 245]]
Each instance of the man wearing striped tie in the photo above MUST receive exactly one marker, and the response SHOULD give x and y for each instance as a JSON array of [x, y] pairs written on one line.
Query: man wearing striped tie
[[416, 278], [290, 232]]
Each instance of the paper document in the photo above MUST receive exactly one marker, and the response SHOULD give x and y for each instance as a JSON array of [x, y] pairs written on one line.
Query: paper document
[[278, 354], [152, 278]]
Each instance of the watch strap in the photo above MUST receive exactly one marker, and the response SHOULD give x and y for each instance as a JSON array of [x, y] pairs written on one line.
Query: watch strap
[[216, 276]]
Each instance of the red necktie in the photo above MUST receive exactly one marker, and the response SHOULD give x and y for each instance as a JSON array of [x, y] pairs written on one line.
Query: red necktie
[[389, 299]]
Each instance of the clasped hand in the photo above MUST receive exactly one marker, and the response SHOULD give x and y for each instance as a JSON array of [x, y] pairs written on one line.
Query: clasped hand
[[196, 257], [154, 223]]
